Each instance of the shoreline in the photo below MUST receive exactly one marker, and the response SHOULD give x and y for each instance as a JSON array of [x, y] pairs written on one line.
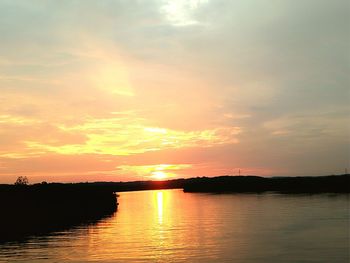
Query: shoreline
[[39, 209], [256, 184]]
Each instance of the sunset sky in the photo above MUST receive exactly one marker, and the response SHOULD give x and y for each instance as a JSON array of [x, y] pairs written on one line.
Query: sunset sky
[[138, 90]]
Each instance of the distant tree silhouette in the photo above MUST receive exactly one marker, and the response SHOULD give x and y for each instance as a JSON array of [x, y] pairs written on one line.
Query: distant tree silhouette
[[22, 180]]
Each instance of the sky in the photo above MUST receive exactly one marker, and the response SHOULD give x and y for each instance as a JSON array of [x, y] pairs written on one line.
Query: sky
[[144, 90]]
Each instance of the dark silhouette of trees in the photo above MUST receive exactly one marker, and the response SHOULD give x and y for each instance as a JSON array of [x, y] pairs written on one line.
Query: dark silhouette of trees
[[256, 184], [22, 180], [39, 209]]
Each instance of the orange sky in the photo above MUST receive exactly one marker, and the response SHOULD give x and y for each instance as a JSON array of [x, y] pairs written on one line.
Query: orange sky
[[116, 91]]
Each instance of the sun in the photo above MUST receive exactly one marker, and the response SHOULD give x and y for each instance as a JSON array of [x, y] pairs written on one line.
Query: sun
[[159, 175]]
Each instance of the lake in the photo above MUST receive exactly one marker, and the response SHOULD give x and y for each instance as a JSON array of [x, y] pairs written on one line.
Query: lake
[[173, 226]]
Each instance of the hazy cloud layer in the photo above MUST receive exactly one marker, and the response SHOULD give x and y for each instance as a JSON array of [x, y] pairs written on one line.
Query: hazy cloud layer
[[115, 90]]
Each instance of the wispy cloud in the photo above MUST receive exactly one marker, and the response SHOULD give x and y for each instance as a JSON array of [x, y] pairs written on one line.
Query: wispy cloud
[[127, 136]]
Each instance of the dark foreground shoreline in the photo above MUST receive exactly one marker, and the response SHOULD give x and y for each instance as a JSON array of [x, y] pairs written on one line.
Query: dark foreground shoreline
[[37, 209]]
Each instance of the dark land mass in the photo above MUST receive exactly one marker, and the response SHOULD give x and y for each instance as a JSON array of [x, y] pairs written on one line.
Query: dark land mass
[[39, 209], [27, 210], [256, 184]]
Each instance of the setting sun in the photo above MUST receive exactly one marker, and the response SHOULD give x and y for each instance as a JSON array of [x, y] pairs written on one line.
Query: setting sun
[[155, 171], [159, 175]]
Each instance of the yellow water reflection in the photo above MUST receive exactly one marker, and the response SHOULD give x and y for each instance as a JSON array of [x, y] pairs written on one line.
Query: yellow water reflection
[[160, 206], [152, 226], [173, 226]]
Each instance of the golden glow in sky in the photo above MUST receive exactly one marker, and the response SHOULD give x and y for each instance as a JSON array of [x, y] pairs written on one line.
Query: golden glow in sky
[[158, 171], [114, 91]]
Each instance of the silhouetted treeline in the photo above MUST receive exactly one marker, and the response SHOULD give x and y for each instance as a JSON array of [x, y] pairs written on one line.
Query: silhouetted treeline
[[138, 185], [38, 209], [256, 184]]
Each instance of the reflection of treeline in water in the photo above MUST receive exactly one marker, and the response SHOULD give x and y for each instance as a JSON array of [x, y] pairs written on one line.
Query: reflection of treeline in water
[[256, 184], [38, 209]]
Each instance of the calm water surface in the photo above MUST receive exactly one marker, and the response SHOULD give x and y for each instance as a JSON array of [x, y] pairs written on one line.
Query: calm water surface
[[172, 226]]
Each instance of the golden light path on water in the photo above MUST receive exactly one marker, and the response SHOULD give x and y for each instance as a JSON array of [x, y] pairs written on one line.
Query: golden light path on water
[[160, 206], [173, 226], [153, 226]]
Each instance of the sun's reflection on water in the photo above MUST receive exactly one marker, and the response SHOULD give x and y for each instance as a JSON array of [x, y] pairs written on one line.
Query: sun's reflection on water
[[173, 226], [160, 206]]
